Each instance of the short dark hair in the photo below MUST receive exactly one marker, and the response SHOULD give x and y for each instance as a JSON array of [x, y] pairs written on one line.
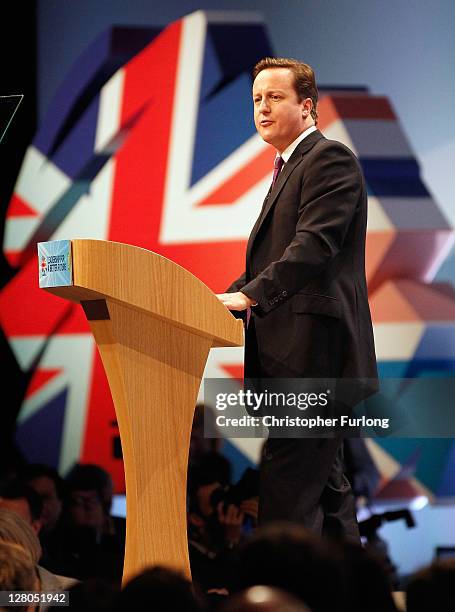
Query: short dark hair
[[90, 477], [432, 587], [17, 489], [33, 471], [279, 554], [304, 79], [165, 588]]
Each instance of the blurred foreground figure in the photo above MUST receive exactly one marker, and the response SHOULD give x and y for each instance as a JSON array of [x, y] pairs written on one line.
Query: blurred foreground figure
[[14, 530], [16, 571], [291, 558], [432, 588], [263, 599], [158, 589]]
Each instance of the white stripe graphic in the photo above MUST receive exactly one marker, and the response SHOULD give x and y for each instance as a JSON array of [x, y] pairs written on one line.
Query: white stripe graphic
[[74, 355], [40, 182], [182, 220], [397, 341], [89, 218], [109, 113]]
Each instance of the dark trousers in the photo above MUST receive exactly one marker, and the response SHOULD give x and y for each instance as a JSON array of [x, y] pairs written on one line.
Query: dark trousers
[[303, 481]]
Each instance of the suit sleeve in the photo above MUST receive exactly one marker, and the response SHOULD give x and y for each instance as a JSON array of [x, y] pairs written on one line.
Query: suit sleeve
[[237, 284], [330, 193], [234, 287]]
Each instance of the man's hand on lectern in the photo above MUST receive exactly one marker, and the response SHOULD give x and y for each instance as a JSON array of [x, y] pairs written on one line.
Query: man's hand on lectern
[[236, 301]]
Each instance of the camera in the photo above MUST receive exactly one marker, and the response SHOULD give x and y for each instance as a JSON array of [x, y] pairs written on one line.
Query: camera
[[246, 488]]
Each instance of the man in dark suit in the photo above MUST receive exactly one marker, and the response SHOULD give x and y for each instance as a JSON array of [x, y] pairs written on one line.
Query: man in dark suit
[[305, 292]]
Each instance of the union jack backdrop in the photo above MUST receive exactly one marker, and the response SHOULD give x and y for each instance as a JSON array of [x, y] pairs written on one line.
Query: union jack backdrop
[[150, 141]]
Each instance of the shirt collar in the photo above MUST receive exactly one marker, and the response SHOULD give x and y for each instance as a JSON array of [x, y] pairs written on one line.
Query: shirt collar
[[290, 149]]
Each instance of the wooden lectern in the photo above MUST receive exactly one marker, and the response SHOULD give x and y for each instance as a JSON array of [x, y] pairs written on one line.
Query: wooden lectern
[[154, 324]]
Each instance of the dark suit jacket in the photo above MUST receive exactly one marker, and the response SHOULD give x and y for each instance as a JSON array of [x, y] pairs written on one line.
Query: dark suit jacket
[[305, 266]]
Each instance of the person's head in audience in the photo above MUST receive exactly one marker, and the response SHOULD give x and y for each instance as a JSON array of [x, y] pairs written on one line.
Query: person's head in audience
[[161, 589], [15, 530], [432, 588], [213, 471], [50, 487], [288, 557], [93, 595], [89, 496], [263, 599], [22, 499], [17, 572], [367, 581]]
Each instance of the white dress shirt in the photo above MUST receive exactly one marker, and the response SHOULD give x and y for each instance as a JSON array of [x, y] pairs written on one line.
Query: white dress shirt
[[290, 149]]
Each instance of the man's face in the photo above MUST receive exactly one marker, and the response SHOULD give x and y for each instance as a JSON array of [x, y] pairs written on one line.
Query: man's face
[[86, 509], [278, 115], [52, 505], [20, 506]]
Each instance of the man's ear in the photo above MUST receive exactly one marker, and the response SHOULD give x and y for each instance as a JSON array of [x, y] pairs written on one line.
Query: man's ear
[[307, 107], [36, 526]]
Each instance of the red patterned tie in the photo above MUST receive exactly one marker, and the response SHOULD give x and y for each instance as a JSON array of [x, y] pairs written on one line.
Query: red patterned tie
[[278, 164]]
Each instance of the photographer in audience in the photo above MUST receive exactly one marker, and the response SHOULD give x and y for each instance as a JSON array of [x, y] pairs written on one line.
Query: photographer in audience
[[216, 518]]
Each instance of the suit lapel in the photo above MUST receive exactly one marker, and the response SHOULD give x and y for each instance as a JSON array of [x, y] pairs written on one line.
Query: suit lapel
[[302, 148]]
